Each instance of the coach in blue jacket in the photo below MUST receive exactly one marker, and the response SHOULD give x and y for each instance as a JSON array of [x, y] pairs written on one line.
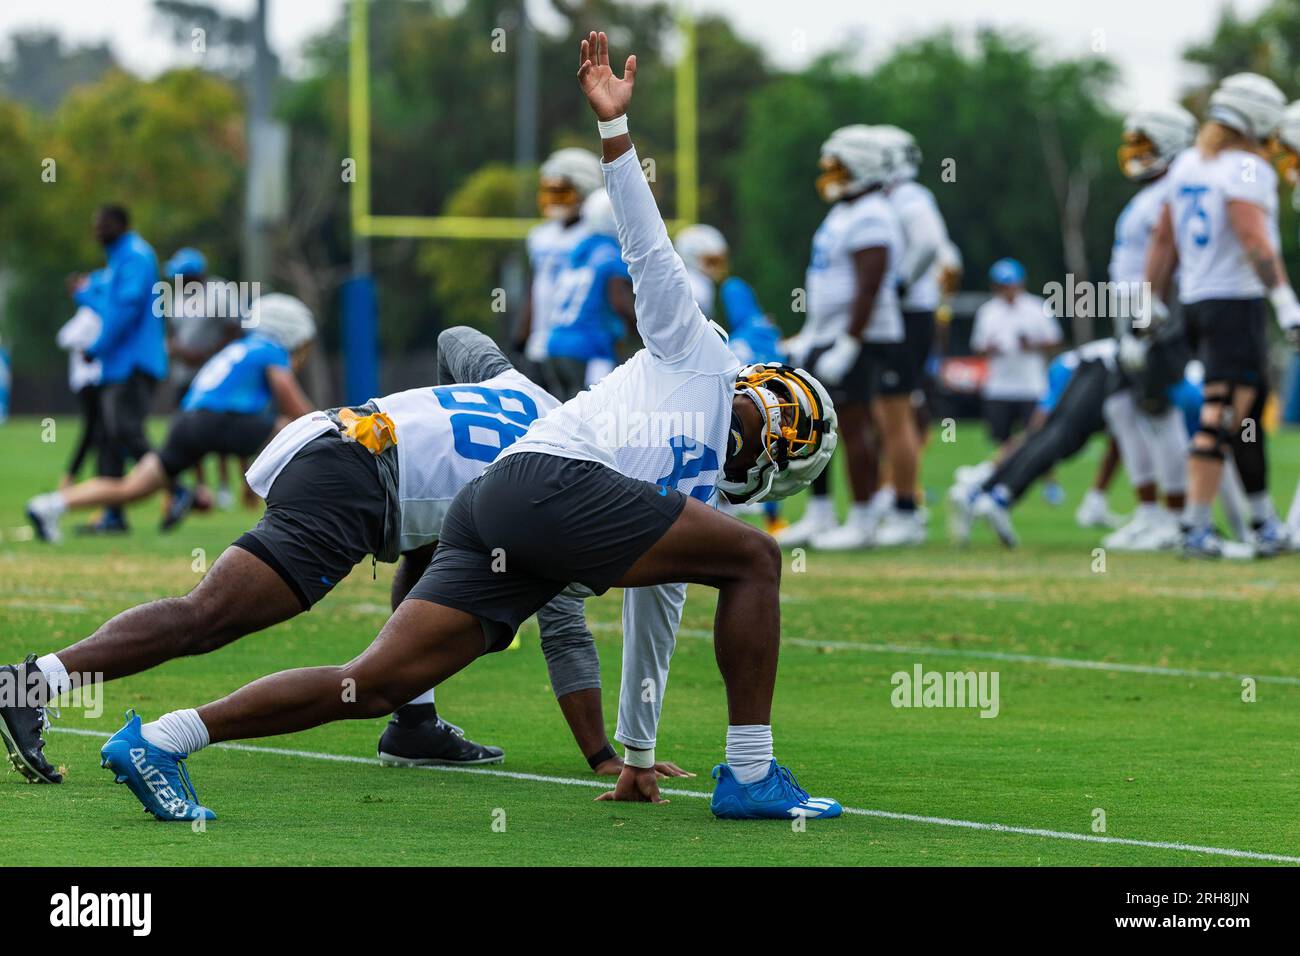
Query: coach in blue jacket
[[132, 343]]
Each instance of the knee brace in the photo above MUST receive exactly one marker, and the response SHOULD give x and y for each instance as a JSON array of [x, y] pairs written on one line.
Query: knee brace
[[1214, 434]]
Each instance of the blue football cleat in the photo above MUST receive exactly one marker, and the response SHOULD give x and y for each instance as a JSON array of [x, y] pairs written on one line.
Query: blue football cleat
[[1202, 543], [777, 796], [157, 777]]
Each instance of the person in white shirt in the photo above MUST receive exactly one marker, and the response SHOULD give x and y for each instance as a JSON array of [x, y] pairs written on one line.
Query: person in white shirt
[[852, 337], [568, 177], [1015, 331], [1219, 229], [613, 488]]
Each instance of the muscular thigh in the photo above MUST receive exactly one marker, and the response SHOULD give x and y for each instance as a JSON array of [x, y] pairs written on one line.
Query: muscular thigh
[[703, 546]]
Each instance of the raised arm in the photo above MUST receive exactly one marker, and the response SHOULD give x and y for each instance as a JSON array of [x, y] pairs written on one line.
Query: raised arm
[[668, 319]]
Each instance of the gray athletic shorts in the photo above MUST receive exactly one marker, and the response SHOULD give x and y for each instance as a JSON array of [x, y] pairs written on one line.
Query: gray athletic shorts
[[516, 536]]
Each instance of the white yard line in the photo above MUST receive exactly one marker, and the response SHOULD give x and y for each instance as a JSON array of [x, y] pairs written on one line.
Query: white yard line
[[674, 792], [922, 650]]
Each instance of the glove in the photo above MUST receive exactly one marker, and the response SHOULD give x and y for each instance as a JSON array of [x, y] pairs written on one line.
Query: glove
[[833, 364], [1287, 310], [1132, 354], [1145, 318], [796, 349]]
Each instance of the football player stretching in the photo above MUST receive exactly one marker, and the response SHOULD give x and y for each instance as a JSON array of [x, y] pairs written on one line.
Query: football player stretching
[[598, 494]]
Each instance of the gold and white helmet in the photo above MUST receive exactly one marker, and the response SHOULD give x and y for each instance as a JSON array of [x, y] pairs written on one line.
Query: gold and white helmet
[[798, 435], [1286, 149], [1153, 136]]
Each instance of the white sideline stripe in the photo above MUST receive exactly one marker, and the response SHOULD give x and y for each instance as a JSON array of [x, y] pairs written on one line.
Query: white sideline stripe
[[674, 792], [697, 633], [1074, 662]]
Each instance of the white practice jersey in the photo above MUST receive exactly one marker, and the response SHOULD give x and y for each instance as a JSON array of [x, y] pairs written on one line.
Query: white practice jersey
[[922, 224], [549, 247], [446, 436], [1212, 264], [1015, 373], [663, 415], [1133, 231], [832, 280]]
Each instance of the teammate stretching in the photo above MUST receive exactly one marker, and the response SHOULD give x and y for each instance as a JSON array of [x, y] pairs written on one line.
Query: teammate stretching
[[226, 411], [340, 485], [591, 494]]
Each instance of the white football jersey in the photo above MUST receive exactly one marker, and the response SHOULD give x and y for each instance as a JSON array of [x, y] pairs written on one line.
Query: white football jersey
[[1212, 264], [1133, 231], [550, 246], [915, 203], [663, 415], [832, 280], [446, 436]]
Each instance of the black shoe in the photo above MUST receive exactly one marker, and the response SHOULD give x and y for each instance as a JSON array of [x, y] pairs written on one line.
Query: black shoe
[[21, 726], [430, 743], [179, 506], [113, 522]]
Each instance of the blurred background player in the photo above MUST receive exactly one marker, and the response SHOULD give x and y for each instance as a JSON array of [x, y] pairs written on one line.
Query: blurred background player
[[84, 374], [1148, 426], [853, 314], [131, 345], [240, 398], [1219, 229], [928, 254], [731, 302], [200, 323], [1015, 331], [593, 305], [567, 178]]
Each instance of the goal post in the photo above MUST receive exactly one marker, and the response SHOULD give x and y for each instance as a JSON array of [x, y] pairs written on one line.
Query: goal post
[[367, 224]]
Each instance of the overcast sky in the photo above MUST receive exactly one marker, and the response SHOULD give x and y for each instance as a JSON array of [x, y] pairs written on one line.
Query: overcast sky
[[1144, 37]]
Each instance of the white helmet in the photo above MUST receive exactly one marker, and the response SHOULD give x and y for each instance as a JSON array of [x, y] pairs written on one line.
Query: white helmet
[[1249, 103], [853, 159], [904, 154], [282, 318], [700, 247], [579, 166], [598, 214], [1153, 136], [799, 434]]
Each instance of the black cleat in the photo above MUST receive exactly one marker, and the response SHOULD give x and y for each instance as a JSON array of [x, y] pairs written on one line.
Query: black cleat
[[430, 743], [112, 522], [182, 501], [21, 726]]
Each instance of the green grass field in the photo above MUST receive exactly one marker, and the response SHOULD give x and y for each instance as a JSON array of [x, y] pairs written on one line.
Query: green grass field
[[1167, 748]]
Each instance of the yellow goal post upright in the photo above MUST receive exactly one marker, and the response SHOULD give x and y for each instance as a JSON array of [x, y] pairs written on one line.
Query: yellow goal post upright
[[366, 224]]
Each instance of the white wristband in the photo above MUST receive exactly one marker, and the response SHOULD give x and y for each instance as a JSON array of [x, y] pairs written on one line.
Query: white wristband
[[642, 759], [1284, 299], [611, 128]]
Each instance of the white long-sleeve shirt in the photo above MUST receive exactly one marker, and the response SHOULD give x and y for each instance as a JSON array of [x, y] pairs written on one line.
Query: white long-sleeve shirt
[[662, 416]]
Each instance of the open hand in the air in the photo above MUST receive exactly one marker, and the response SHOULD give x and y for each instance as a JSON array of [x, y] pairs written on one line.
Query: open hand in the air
[[607, 94]]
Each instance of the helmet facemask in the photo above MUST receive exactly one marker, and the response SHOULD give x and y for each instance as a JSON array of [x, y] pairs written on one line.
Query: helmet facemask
[[1139, 157], [558, 199], [796, 424], [834, 181]]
